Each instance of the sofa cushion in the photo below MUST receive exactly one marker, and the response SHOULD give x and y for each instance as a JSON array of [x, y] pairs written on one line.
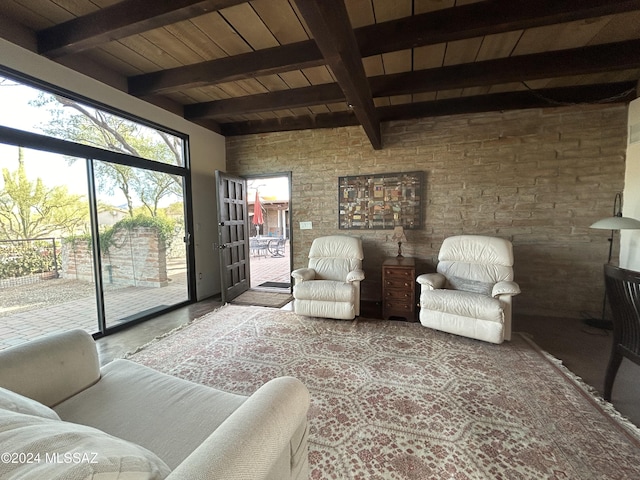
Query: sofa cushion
[[165, 414], [38, 448], [39, 369], [20, 404]]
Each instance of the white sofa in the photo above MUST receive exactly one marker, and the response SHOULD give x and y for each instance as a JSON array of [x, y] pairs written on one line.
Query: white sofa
[[128, 422]]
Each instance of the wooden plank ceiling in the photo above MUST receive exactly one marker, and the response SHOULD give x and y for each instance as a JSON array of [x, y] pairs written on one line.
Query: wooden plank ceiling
[[241, 67]]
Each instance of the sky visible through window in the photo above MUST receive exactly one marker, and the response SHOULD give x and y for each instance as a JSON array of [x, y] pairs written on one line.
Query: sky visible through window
[[32, 110]]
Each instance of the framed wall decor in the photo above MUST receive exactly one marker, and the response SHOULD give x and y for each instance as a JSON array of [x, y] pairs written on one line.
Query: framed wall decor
[[381, 201]]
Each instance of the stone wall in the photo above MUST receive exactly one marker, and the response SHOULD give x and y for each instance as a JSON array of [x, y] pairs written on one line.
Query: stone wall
[[135, 258], [537, 177]]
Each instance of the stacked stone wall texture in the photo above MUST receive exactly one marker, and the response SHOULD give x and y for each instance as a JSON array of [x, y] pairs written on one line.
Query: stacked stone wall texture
[[537, 177], [135, 258]]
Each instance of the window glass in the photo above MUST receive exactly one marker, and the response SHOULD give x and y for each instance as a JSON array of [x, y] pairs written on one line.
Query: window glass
[[88, 239], [46, 268], [34, 110], [144, 258]]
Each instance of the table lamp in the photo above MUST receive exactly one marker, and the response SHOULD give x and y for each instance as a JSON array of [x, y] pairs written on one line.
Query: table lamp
[[399, 236]]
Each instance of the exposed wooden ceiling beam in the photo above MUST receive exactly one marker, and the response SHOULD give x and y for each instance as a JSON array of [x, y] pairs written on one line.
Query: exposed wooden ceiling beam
[[210, 125], [329, 23], [253, 64], [121, 20], [476, 104], [575, 61], [441, 26], [325, 120], [282, 99], [578, 61], [479, 19], [549, 97]]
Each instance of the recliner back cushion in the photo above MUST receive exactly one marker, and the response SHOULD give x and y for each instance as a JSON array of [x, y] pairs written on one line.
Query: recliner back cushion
[[334, 256], [475, 263]]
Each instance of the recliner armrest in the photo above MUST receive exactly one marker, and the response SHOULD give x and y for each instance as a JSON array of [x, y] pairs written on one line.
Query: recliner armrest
[[303, 274], [505, 288], [355, 276], [249, 443], [432, 280]]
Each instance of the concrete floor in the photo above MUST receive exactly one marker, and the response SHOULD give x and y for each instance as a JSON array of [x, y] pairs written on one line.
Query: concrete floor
[[585, 351], [120, 343]]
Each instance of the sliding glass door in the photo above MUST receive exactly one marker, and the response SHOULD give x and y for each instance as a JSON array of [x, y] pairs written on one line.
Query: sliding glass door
[[46, 275], [94, 215]]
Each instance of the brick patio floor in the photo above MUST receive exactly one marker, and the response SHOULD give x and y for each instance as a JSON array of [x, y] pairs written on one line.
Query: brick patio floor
[[119, 304], [270, 269]]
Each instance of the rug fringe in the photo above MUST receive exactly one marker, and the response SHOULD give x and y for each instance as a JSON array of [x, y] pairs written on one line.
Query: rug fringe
[[171, 332], [592, 393]]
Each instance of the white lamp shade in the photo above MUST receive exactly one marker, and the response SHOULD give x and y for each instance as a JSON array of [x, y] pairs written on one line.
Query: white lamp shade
[[617, 223], [399, 236]]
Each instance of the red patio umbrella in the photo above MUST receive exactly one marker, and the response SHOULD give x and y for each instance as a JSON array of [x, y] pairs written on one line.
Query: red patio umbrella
[[257, 213]]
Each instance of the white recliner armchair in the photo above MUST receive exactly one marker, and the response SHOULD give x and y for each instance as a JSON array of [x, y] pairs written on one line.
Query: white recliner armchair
[[330, 286], [470, 295]]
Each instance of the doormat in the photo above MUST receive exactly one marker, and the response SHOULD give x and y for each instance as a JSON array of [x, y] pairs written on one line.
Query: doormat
[[262, 299], [276, 284]]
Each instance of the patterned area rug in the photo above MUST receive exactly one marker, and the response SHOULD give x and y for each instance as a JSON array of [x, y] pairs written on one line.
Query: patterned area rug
[[394, 400], [263, 298]]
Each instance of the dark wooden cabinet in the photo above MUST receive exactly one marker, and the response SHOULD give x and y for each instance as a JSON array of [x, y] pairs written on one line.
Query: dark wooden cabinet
[[398, 288]]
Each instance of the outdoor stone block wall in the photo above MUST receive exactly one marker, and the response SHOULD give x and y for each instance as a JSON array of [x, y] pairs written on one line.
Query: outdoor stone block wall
[[537, 177], [136, 258], [77, 263]]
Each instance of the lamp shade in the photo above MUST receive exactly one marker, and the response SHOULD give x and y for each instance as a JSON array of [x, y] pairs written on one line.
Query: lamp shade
[[617, 223], [399, 236]]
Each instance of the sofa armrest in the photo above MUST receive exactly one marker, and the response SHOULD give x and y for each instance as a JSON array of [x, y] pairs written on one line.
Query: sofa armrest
[[249, 443], [355, 275], [303, 274], [432, 280], [51, 369], [505, 288]]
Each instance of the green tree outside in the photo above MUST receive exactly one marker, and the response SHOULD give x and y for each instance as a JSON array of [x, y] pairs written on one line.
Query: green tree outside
[[94, 127], [28, 209]]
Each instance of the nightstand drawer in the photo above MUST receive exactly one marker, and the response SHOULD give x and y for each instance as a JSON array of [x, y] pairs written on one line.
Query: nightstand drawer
[[396, 273], [392, 281], [398, 294], [398, 308]]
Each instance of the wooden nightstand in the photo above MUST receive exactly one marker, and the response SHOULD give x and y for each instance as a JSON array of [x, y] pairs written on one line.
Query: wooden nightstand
[[398, 288]]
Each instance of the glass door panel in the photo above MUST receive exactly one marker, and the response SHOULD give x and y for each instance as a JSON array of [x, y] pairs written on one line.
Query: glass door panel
[[142, 240], [46, 259]]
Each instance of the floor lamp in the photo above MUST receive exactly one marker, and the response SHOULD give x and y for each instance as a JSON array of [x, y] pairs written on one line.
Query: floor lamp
[[616, 222]]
